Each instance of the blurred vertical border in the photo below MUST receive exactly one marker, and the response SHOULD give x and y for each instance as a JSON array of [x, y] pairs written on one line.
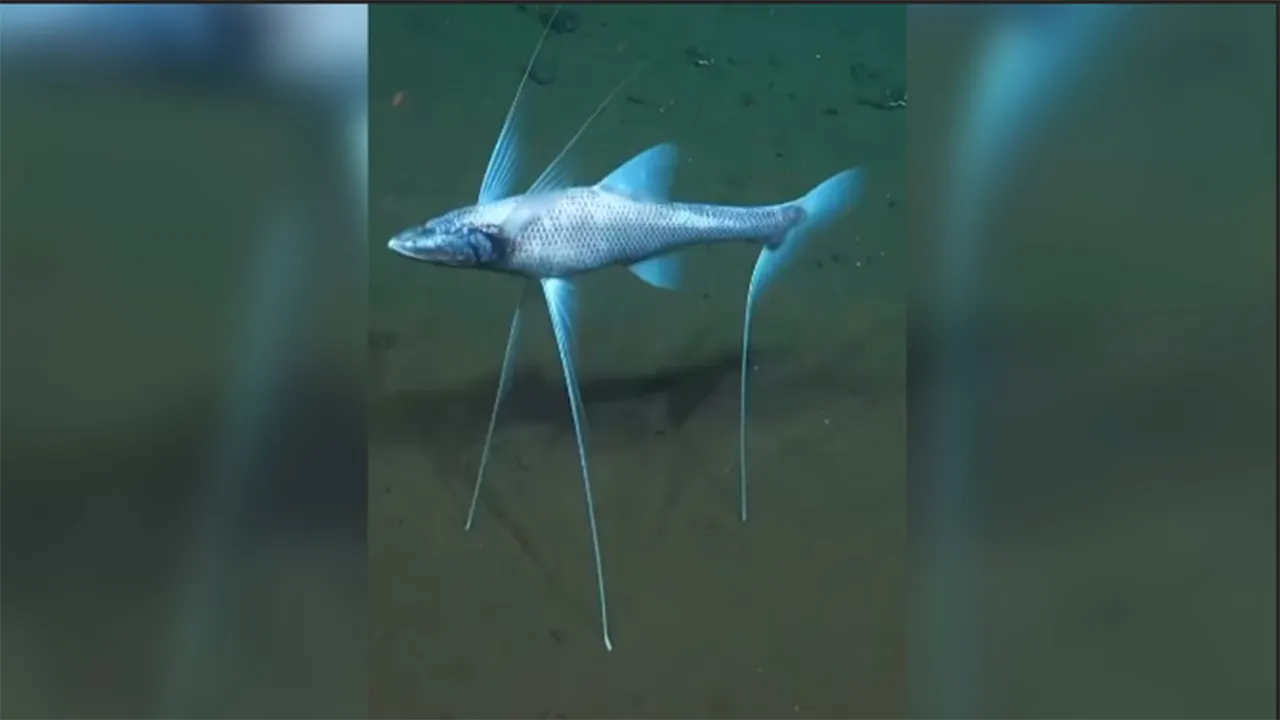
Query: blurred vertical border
[[182, 200], [1093, 360]]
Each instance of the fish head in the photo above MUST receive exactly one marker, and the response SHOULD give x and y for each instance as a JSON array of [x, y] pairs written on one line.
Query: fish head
[[455, 239]]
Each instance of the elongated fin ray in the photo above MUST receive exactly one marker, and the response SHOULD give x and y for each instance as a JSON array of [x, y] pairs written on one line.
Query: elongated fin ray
[[561, 304], [500, 175], [742, 398], [504, 380], [821, 206], [558, 174]]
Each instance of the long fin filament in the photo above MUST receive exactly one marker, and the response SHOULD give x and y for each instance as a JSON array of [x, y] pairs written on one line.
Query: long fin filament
[[504, 380], [556, 176], [822, 205], [561, 306], [499, 176]]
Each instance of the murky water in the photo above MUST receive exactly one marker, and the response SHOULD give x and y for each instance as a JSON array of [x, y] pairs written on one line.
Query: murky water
[[799, 612]]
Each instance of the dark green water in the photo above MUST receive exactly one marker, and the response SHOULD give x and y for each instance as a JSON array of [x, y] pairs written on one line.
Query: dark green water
[[801, 611], [178, 544]]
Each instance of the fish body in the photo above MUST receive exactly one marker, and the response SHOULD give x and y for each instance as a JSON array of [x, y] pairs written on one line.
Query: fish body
[[582, 229]]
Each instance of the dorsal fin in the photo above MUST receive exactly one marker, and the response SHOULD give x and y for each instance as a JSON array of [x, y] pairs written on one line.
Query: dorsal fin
[[646, 176]]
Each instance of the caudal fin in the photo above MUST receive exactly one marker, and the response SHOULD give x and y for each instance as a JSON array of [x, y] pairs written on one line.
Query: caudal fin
[[822, 205]]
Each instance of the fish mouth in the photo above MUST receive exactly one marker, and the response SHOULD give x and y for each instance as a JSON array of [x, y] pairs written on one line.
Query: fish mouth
[[402, 246], [406, 247], [397, 246]]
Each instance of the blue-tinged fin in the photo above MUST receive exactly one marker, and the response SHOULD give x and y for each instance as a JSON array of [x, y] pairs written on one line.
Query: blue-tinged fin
[[500, 176], [504, 381], [664, 271], [562, 305], [558, 175], [821, 206], [646, 177]]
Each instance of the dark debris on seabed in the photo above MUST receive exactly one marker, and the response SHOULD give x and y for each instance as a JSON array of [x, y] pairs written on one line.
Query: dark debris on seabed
[[873, 87], [565, 22], [698, 57]]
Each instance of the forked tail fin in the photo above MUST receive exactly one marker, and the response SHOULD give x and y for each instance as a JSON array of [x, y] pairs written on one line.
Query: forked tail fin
[[822, 205]]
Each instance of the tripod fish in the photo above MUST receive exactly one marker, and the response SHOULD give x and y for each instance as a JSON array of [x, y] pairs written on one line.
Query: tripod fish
[[555, 231]]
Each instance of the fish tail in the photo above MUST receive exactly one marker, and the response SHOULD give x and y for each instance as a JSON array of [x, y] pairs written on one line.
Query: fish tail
[[820, 207]]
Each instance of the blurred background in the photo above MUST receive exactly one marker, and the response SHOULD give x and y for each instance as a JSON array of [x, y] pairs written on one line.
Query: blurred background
[[1092, 361], [1089, 376], [181, 211]]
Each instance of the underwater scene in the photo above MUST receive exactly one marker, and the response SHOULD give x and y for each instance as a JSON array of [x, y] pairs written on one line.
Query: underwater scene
[[800, 610], [527, 361]]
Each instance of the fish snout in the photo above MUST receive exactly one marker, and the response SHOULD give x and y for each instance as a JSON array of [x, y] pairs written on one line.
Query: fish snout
[[455, 247], [415, 243], [401, 244]]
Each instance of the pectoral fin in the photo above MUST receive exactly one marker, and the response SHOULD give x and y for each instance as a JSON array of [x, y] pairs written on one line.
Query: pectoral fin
[[504, 162], [561, 305], [527, 209]]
